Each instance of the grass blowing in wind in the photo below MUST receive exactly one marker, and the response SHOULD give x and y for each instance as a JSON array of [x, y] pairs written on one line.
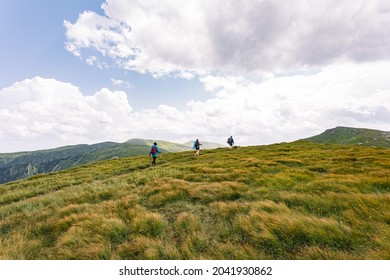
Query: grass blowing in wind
[[285, 201]]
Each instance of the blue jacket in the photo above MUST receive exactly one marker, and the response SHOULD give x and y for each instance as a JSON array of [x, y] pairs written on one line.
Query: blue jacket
[[196, 145], [157, 151]]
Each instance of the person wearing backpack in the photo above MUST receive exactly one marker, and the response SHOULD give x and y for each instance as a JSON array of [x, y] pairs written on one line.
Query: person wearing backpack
[[230, 141], [196, 146], [154, 151]]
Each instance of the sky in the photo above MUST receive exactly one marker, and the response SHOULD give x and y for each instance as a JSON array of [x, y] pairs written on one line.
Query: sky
[[263, 71]]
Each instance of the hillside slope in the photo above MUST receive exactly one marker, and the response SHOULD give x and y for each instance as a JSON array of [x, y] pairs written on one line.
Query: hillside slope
[[15, 166], [353, 136], [284, 201], [164, 145]]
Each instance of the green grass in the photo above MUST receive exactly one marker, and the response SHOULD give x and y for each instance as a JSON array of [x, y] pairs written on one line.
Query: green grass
[[353, 136], [285, 201]]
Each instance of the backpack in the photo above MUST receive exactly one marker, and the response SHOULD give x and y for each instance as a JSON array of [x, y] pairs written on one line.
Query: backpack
[[154, 151]]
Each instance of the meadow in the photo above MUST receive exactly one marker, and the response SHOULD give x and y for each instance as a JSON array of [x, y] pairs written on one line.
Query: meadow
[[287, 201]]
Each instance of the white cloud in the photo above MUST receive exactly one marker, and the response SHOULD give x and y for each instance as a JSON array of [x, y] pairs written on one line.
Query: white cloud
[[120, 83], [116, 82], [283, 108], [314, 64], [91, 60], [201, 36], [95, 61], [41, 113], [108, 36]]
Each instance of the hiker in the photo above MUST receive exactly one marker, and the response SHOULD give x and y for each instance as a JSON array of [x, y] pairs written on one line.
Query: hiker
[[196, 146], [230, 141], [154, 151]]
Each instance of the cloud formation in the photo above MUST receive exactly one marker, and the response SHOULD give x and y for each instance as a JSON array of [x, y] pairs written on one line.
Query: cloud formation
[[39, 113], [201, 36], [276, 71], [42, 113]]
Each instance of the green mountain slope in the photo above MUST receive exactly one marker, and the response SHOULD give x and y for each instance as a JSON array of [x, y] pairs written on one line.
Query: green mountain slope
[[16, 166], [164, 145], [285, 201], [353, 136]]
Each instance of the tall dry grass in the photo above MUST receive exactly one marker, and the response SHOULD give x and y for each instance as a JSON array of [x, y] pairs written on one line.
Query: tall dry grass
[[284, 201]]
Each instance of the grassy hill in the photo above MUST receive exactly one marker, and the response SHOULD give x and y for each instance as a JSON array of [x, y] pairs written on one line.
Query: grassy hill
[[164, 145], [15, 166], [285, 201], [353, 136]]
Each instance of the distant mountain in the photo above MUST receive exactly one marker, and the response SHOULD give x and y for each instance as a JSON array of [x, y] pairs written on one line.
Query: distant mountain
[[353, 136], [174, 147], [164, 145], [14, 166], [205, 145]]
